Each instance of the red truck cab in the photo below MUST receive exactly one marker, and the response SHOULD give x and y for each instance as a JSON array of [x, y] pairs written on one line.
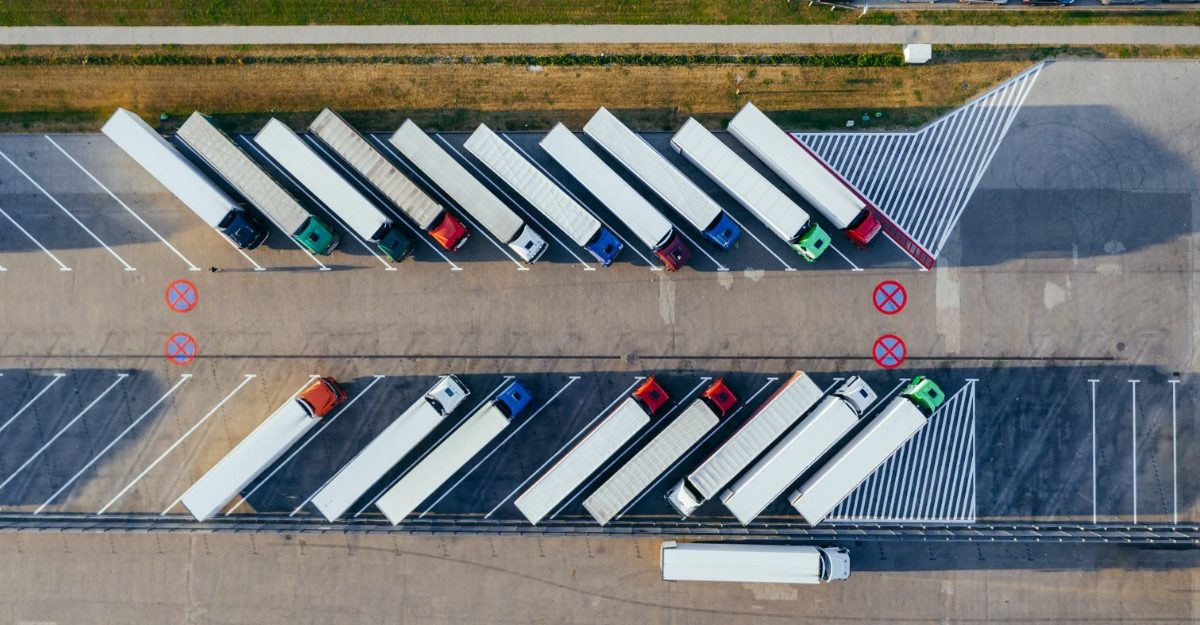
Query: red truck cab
[[321, 396], [720, 398], [863, 229], [650, 395], [675, 253], [449, 232]]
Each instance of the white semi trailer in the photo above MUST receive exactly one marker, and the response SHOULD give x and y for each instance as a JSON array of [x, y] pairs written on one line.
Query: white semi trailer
[[798, 450], [647, 224], [735, 562], [468, 192], [183, 179], [869, 449], [585, 458], [805, 172], [650, 167], [782, 409], [751, 189], [244, 175], [389, 447], [429, 216], [636, 475], [581, 226], [296, 157], [261, 448]]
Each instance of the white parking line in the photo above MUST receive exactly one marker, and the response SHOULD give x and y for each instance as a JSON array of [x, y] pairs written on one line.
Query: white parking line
[[428, 450], [1174, 459], [698, 445], [853, 267], [786, 266], [1092, 383], [514, 204], [178, 442], [653, 266], [62, 430], [1133, 419], [191, 266], [22, 409], [182, 378], [115, 255], [587, 427], [620, 455], [571, 380], [413, 172], [61, 266], [384, 204]]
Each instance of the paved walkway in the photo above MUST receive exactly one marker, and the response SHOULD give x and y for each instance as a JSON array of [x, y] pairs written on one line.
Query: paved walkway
[[232, 35]]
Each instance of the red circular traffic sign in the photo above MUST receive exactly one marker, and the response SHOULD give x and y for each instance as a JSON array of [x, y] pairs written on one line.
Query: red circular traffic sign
[[889, 297], [889, 351], [181, 348], [182, 296]]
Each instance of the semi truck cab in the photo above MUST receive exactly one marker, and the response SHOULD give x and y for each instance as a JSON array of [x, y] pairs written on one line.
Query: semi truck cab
[[719, 397], [835, 564], [605, 246], [395, 245], [245, 230], [513, 399], [321, 396], [812, 243], [529, 245], [675, 253], [650, 395], [863, 228], [856, 393], [318, 237], [449, 232], [447, 394], [924, 394], [724, 231]]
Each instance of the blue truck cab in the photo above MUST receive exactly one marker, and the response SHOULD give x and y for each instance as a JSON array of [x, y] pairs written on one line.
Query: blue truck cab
[[245, 230], [605, 246], [513, 399], [724, 231]]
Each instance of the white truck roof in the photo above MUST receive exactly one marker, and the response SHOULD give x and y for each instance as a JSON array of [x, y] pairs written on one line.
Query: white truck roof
[[532, 185], [447, 458], [347, 143], [650, 462], [248, 459], [710, 562], [377, 458], [651, 228], [798, 166], [584, 459], [242, 173], [169, 167], [789, 458], [873, 445], [741, 181], [457, 182], [653, 169], [298, 158], [776, 415]]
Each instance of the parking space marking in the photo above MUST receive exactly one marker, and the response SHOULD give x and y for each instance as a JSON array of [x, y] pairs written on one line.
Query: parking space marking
[[570, 380], [182, 378], [853, 267], [1174, 458], [698, 445], [653, 266], [61, 266], [1092, 383], [750, 233], [46, 193], [384, 204], [247, 378], [22, 409], [491, 396], [630, 447], [513, 204], [191, 266], [63, 429], [586, 428], [413, 172], [1133, 419]]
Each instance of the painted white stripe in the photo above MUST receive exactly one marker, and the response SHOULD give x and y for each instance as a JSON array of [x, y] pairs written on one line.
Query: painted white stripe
[[61, 266], [22, 409]]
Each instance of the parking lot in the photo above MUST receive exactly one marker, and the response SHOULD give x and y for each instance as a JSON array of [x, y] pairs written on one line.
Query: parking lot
[[1073, 397]]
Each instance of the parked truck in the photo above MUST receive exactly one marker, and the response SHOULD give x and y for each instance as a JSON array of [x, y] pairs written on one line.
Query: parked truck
[[296, 157], [798, 450], [247, 178], [261, 448], [647, 224], [636, 475], [353, 148], [468, 192], [650, 167], [736, 562], [585, 458], [581, 226], [454, 452], [782, 409], [389, 447], [751, 189], [869, 449], [805, 172], [183, 179]]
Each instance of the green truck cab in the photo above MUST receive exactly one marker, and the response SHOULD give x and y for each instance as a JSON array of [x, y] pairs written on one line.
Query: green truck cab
[[317, 237], [924, 394], [812, 243]]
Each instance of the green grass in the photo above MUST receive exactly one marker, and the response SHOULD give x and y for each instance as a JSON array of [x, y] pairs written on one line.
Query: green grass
[[276, 12]]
